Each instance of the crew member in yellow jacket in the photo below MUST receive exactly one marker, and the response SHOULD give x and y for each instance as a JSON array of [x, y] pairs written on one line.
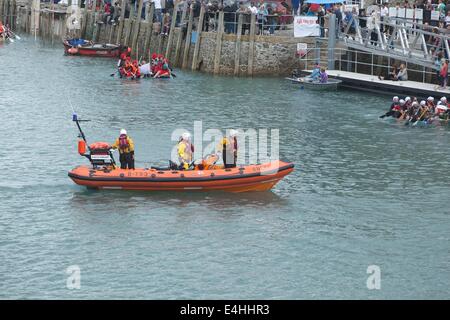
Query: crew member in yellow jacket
[[228, 146], [185, 151], [126, 150]]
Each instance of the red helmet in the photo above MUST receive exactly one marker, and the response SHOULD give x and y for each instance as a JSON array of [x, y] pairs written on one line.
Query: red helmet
[[154, 56]]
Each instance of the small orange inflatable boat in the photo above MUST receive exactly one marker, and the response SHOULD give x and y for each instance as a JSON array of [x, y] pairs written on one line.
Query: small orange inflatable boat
[[103, 173], [245, 178]]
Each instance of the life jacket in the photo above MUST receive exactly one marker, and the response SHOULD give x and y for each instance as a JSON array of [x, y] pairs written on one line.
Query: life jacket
[[123, 142], [185, 154], [229, 145], [2, 29], [441, 109], [396, 107]]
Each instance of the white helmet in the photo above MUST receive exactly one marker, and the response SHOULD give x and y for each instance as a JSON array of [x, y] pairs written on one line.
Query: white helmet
[[439, 103], [444, 99], [430, 99], [186, 136], [402, 102], [233, 133], [395, 99], [407, 99], [423, 103], [123, 131]]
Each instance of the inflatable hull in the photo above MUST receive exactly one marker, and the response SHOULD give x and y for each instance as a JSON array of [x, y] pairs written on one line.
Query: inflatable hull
[[96, 50], [240, 179]]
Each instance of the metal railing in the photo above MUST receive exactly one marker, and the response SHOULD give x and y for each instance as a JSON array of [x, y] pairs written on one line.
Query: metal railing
[[357, 61]]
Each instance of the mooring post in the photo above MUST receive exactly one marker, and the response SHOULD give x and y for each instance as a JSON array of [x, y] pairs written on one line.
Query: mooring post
[[148, 32], [172, 29], [121, 21], [137, 26], [128, 27], [197, 42], [218, 43], [237, 52], [180, 35], [1, 9], [331, 41], [187, 43], [251, 48]]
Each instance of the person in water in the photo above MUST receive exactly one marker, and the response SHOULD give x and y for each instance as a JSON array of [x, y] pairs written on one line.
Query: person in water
[[228, 147], [185, 150], [125, 145]]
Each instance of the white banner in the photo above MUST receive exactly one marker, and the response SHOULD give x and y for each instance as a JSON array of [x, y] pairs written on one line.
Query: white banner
[[305, 26]]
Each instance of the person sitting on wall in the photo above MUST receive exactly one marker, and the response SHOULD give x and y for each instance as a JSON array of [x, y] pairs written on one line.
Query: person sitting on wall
[[402, 74]]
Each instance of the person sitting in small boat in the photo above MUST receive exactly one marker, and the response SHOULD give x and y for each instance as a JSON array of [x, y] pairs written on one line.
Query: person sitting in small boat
[[2, 30], [423, 113], [441, 109], [323, 76], [123, 57], [185, 151], [145, 69], [125, 145], [430, 104], [136, 72], [125, 69], [228, 147], [408, 103], [418, 111], [395, 106], [315, 74], [163, 72], [400, 110]]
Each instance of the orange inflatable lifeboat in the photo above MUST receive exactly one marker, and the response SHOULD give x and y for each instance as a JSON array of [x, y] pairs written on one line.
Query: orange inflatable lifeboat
[[244, 178], [206, 176]]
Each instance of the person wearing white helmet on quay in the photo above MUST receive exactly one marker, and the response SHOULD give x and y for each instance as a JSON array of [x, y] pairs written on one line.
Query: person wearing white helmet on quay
[[185, 151], [228, 147], [125, 145]]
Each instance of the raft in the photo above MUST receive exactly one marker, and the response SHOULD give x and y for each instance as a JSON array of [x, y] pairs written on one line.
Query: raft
[[240, 179], [422, 123], [80, 47]]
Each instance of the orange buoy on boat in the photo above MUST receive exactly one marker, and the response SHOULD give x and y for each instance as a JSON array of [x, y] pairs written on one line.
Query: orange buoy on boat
[[72, 50], [81, 147]]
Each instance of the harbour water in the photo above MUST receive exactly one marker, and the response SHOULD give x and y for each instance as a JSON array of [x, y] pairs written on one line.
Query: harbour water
[[365, 192]]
